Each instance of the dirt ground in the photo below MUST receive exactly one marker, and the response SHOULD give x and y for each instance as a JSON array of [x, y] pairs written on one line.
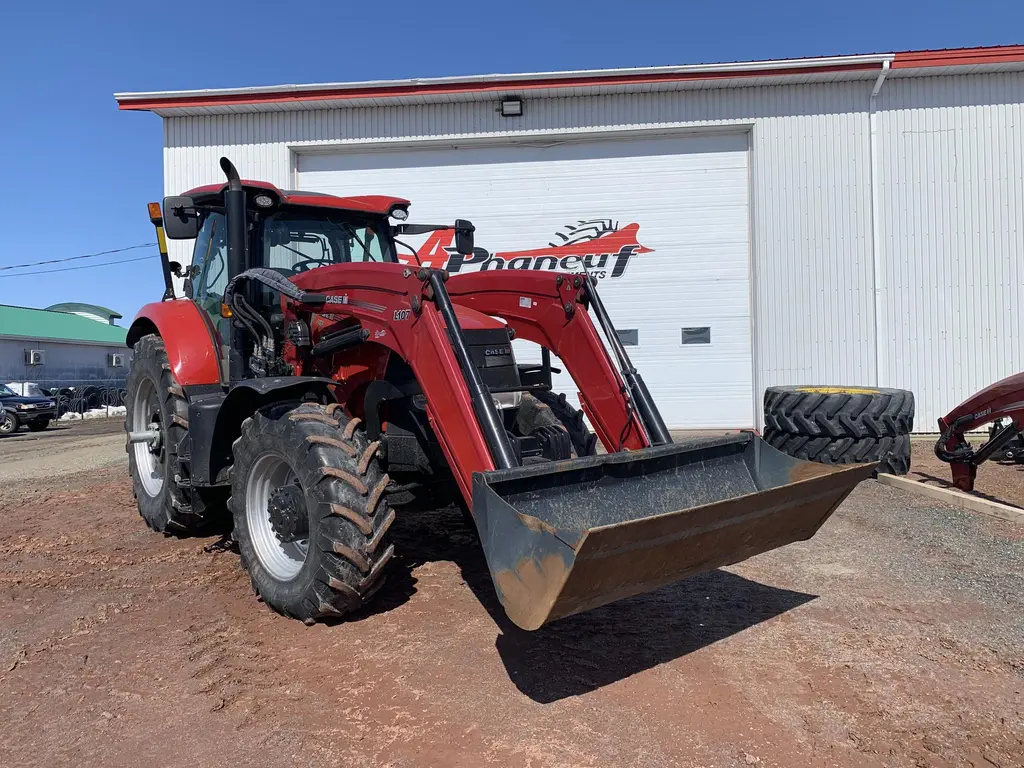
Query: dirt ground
[[893, 638], [999, 481]]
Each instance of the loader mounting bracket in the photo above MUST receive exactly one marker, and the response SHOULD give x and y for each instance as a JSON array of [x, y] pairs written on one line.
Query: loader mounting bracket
[[215, 417]]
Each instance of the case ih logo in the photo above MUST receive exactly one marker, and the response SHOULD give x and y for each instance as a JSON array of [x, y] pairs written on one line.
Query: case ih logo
[[599, 246]]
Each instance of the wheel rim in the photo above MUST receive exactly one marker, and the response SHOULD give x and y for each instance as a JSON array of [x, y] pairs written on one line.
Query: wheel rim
[[149, 458], [282, 560], [7, 424]]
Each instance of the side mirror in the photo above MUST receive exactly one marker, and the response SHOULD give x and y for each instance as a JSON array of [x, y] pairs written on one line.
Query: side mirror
[[464, 237], [181, 220]]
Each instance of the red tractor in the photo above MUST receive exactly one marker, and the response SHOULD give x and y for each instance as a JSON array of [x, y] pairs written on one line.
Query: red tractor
[[310, 380]]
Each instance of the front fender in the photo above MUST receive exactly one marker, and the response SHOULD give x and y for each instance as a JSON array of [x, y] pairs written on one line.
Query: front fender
[[188, 337], [215, 419]]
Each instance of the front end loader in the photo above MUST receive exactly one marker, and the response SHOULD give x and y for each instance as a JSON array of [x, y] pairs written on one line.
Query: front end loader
[[318, 383]]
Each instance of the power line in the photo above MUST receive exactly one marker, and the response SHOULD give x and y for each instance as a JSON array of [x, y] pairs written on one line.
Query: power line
[[74, 258], [84, 266]]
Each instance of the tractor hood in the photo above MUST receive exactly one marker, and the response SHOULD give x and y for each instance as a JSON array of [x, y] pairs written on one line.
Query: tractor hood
[[471, 320], [337, 279]]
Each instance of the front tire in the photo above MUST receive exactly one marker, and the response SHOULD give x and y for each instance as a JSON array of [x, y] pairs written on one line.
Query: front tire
[[38, 426], [155, 400], [311, 516]]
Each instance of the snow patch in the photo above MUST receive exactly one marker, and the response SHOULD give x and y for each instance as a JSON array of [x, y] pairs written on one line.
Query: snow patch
[[26, 389], [114, 411]]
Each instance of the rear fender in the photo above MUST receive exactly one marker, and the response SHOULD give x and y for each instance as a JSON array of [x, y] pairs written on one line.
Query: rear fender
[[190, 341]]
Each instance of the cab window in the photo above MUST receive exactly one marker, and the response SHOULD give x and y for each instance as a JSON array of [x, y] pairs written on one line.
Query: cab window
[[365, 245], [294, 243]]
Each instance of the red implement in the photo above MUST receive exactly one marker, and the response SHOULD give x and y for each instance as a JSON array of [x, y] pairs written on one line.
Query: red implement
[[1002, 400]]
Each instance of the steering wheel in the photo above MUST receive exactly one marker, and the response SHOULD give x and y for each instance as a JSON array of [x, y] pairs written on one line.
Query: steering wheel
[[307, 264]]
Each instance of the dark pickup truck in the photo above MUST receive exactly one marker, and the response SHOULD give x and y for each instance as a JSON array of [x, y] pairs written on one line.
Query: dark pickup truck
[[34, 412]]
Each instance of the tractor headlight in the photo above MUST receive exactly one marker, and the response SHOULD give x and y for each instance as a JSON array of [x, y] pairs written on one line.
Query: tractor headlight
[[264, 201], [399, 213]]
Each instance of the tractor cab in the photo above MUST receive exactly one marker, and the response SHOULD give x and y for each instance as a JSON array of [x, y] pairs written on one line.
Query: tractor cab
[[288, 232], [290, 240]]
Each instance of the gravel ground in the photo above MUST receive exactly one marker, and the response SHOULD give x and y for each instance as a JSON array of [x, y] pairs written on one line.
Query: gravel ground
[[894, 638], [62, 448]]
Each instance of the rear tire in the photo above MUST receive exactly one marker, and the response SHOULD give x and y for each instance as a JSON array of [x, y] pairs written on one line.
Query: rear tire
[[841, 425], [316, 465], [154, 397]]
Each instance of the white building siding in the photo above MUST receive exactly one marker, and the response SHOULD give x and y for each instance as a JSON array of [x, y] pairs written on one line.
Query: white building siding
[[812, 258], [952, 235]]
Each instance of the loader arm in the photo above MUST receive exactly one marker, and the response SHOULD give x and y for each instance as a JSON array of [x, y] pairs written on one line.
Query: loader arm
[[399, 310], [393, 304], [548, 310], [1002, 400]]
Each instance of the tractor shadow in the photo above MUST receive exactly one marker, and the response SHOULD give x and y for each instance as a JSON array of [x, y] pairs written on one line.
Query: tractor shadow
[[582, 653]]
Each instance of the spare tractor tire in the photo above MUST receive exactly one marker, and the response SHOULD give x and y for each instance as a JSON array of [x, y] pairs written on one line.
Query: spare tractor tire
[[841, 425], [839, 411], [891, 453]]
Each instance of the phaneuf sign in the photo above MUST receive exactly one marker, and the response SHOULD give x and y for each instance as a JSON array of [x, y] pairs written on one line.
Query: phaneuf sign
[[599, 247]]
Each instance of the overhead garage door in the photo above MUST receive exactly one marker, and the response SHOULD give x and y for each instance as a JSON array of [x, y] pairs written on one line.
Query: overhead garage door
[[663, 223]]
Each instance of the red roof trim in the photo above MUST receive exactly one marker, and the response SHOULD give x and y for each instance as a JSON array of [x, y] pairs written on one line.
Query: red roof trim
[[959, 57], [904, 60], [218, 100]]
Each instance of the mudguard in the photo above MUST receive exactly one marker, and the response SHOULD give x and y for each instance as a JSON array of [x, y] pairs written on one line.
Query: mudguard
[[189, 339]]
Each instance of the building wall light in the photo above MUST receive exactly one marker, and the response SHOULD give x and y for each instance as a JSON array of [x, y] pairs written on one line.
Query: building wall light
[[511, 107]]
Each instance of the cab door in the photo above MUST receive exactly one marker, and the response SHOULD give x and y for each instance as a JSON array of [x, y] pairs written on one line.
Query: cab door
[[210, 270]]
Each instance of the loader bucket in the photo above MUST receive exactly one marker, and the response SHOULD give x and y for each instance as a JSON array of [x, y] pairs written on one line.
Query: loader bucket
[[567, 536]]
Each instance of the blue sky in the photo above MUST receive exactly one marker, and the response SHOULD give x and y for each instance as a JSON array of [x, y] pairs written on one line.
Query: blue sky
[[77, 173]]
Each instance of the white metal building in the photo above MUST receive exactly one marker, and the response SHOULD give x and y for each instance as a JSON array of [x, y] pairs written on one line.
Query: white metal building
[[843, 220]]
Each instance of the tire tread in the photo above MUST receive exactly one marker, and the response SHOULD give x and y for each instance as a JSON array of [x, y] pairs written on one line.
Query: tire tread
[[891, 453], [175, 513], [342, 475], [885, 413]]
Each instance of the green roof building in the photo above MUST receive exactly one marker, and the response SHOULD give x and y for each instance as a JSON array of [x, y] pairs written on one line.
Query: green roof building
[[92, 311], [62, 348]]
